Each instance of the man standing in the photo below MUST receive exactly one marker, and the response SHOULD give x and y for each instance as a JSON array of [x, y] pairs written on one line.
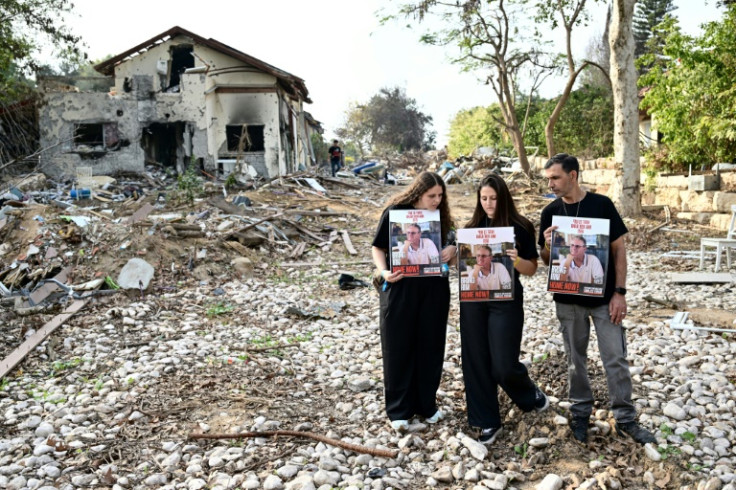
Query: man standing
[[574, 312], [335, 157]]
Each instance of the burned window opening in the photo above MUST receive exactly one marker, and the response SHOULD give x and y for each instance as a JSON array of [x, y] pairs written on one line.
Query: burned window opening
[[181, 59], [97, 136], [252, 142], [89, 135], [163, 143]]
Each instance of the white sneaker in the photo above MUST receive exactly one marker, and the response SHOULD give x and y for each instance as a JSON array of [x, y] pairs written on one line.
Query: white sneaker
[[400, 425], [438, 415]]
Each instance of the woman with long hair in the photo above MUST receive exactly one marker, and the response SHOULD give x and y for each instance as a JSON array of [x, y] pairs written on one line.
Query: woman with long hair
[[413, 314], [491, 331]]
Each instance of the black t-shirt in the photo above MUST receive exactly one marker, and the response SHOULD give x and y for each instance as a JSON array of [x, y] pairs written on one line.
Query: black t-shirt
[[592, 206], [335, 153], [526, 248]]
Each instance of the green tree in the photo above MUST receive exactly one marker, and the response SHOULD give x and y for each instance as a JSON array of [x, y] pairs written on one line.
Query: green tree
[[476, 127], [567, 13], [691, 94], [25, 25], [389, 121], [648, 15], [585, 126]]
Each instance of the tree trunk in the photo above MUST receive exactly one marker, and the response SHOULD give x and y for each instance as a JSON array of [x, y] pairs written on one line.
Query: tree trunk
[[625, 105]]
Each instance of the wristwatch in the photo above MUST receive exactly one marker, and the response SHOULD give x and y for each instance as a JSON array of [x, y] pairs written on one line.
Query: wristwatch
[[620, 290]]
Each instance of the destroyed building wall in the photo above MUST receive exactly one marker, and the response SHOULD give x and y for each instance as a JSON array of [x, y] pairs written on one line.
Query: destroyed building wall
[[179, 101]]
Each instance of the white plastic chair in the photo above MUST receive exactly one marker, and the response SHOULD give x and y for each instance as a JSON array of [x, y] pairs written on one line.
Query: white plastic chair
[[721, 244]]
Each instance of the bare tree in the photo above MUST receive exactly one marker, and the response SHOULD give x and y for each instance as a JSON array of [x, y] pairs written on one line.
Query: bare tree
[[570, 14], [626, 105], [491, 40]]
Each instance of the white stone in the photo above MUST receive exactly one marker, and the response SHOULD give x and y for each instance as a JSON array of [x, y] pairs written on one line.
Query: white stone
[[478, 450], [550, 482]]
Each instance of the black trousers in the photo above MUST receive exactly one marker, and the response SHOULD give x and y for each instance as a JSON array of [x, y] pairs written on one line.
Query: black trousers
[[490, 333], [413, 329]]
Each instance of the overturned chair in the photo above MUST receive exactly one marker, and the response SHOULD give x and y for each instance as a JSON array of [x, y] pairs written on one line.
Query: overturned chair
[[721, 244]]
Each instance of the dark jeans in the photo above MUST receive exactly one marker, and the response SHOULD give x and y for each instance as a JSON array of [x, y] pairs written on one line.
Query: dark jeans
[[335, 166]]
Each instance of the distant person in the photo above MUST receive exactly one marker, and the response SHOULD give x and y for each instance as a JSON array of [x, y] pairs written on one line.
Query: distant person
[[417, 250], [486, 274], [579, 266], [575, 312], [335, 153]]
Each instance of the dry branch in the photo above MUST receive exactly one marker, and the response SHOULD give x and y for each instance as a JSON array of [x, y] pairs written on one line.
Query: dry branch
[[383, 453]]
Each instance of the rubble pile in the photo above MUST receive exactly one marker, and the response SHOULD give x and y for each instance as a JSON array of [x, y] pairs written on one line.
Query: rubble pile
[[251, 321]]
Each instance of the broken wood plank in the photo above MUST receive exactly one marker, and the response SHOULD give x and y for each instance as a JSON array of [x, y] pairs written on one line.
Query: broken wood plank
[[228, 207], [340, 182], [256, 223], [317, 264], [348, 243], [305, 212], [298, 250], [237, 246], [703, 278], [15, 357], [44, 291], [140, 214]]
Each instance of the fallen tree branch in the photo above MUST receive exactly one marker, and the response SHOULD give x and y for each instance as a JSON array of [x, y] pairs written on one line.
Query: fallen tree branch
[[664, 302], [383, 453]]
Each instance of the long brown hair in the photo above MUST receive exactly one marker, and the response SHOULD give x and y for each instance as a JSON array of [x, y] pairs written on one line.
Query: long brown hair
[[421, 184], [505, 213]]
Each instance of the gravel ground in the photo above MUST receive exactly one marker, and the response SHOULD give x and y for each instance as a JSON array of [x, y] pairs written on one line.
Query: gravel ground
[[112, 399]]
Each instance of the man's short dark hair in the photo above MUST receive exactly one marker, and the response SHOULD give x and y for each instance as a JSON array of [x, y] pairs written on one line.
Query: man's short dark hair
[[568, 162], [335, 141]]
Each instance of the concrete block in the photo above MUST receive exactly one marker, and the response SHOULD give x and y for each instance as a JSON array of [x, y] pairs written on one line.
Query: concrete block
[[706, 182], [693, 201], [702, 218], [669, 197], [672, 181], [722, 201], [728, 181]]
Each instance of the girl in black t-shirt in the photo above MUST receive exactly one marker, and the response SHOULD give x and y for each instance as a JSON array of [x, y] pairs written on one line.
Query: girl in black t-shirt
[[491, 331], [413, 315]]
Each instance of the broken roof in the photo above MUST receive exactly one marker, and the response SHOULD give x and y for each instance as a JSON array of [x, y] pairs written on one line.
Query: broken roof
[[294, 85]]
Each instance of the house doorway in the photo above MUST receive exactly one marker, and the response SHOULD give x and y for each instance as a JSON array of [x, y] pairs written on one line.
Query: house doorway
[[163, 144]]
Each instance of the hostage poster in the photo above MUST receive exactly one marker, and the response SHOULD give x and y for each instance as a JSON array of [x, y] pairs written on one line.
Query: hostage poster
[[579, 256], [415, 236], [486, 272]]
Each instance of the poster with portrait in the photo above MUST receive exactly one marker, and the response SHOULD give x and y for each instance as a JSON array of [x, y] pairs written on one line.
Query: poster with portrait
[[415, 236], [578, 259], [486, 272]]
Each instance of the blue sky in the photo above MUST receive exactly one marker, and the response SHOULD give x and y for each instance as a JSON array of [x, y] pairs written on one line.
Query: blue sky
[[336, 46]]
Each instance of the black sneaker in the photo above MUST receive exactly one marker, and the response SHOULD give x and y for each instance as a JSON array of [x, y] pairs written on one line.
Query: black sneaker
[[487, 436], [541, 402], [579, 428], [635, 431]]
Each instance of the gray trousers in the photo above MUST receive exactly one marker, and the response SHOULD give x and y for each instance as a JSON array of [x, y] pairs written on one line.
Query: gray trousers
[[575, 329]]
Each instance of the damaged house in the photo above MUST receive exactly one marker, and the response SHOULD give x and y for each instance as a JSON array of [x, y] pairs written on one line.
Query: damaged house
[[175, 99]]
